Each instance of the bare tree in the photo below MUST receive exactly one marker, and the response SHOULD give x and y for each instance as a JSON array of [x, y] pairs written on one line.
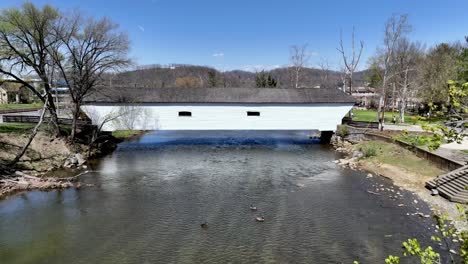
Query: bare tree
[[408, 57], [100, 121], [88, 48], [132, 117], [25, 37], [343, 77], [31, 137], [395, 28], [351, 63], [298, 58], [324, 73]]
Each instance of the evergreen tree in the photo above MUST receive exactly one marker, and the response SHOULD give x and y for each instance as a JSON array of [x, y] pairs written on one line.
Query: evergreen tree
[[271, 81], [212, 82], [263, 80]]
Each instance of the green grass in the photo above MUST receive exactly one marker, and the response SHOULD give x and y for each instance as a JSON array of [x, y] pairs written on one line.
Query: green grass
[[414, 140], [126, 134], [392, 154], [19, 106], [371, 116], [16, 128], [25, 128]]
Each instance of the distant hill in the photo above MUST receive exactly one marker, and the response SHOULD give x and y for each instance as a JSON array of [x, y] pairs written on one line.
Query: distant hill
[[156, 76]]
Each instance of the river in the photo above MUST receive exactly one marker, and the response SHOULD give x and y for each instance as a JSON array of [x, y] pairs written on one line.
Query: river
[[150, 197]]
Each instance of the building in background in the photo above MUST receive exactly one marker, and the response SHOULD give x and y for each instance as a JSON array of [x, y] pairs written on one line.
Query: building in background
[[62, 97], [365, 96], [3, 96], [16, 92]]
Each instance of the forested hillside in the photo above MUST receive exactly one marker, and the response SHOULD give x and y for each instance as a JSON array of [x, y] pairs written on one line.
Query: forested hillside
[[156, 76]]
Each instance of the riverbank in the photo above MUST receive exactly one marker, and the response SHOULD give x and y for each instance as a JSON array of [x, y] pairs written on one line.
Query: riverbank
[[46, 157], [400, 165]]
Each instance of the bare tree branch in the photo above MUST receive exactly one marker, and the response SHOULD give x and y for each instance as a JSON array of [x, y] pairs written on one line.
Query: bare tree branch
[[351, 63], [298, 58]]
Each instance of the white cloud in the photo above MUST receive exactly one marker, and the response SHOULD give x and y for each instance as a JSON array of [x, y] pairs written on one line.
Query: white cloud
[[313, 54], [259, 67], [218, 55], [141, 28]]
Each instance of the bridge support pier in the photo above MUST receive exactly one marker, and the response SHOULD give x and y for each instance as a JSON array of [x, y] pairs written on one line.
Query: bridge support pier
[[325, 136]]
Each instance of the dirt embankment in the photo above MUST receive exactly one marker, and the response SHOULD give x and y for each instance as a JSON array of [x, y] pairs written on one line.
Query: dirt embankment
[[45, 155], [404, 168]]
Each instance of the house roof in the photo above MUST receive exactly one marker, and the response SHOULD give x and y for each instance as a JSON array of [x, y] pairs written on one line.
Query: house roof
[[219, 95]]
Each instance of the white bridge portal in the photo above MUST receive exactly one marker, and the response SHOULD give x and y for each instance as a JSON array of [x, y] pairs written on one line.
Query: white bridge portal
[[223, 109]]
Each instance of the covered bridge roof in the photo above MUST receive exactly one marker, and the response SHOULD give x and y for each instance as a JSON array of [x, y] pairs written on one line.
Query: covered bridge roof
[[219, 95]]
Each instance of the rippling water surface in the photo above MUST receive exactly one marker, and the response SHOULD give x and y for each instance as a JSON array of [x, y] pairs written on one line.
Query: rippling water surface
[[151, 195]]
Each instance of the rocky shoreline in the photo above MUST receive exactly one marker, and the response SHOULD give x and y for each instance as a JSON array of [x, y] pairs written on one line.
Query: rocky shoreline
[[29, 180], [45, 157], [22, 182], [355, 160]]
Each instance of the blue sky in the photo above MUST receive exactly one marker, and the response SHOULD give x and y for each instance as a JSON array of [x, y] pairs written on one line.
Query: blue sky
[[251, 34]]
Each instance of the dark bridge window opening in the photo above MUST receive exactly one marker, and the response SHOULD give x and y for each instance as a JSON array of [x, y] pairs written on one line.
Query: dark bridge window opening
[[185, 113], [253, 113]]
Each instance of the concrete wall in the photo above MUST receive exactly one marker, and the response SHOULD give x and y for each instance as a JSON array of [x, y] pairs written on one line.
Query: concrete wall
[[324, 117], [443, 163]]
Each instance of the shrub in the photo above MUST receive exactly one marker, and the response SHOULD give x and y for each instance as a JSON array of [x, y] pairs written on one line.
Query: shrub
[[369, 151], [418, 119], [343, 131]]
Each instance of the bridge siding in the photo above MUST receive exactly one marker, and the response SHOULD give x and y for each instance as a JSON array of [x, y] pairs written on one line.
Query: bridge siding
[[324, 117]]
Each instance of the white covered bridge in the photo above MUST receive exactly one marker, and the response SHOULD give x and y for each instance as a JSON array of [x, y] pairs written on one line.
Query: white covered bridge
[[218, 109]]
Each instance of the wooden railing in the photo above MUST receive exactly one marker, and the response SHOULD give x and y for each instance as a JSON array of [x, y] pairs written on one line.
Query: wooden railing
[[9, 111], [35, 119]]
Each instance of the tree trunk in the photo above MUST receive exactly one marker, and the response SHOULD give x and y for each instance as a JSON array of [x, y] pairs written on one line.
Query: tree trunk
[[382, 99], [379, 108], [403, 97], [31, 137], [49, 101], [351, 92], [382, 119], [402, 112], [297, 78], [76, 114], [53, 114]]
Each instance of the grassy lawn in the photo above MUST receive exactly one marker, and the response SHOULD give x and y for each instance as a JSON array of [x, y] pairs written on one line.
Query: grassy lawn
[[25, 128], [126, 134], [391, 154], [19, 106], [371, 116], [17, 128]]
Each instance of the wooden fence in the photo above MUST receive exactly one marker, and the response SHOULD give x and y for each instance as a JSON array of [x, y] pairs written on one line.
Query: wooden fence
[[10, 111], [35, 119]]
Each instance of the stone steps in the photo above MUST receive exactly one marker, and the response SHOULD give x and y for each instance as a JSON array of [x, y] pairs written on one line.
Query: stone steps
[[452, 185]]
